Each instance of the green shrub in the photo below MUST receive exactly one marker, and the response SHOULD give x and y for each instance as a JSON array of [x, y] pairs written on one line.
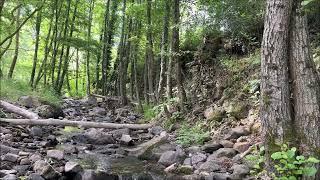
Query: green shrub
[[287, 163], [192, 135]]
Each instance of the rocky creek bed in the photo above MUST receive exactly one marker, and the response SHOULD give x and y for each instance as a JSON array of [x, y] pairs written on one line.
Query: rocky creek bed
[[48, 152]]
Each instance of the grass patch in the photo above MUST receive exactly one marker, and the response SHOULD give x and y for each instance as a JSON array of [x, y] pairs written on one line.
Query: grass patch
[[195, 135], [12, 89]]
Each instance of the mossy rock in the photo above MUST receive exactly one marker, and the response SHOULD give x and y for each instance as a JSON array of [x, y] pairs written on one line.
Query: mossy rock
[[239, 110], [215, 114], [184, 170]]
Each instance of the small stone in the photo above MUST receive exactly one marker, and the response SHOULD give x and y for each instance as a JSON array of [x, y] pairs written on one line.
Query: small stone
[[225, 152], [210, 148], [34, 157], [45, 170], [119, 132], [22, 153], [56, 154], [241, 146], [226, 143], [35, 176], [10, 157], [156, 130], [187, 161], [126, 139], [198, 157], [72, 167], [171, 168], [240, 170]]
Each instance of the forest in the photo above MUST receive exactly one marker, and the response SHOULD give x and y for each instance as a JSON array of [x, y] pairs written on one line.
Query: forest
[[159, 89]]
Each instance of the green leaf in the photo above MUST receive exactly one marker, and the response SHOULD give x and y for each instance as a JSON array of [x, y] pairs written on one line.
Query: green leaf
[[306, 2], [292, 178], [291, 153], [309, 171], [313, 160], [300, 158], [276, 156]]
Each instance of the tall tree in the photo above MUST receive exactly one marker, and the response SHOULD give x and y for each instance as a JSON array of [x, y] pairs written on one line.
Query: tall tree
[[88, 51], [16, 50], [149, 52], [176, 52], [290, 89], [35, 56]]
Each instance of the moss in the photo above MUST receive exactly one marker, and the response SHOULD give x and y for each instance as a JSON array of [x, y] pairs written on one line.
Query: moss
[[184, 170]]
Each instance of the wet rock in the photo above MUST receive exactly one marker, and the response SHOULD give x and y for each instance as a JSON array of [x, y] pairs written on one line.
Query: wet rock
[[241, 146], [237, 132], [55, 154], [97, 111], [99, 137], [27, 101], [225, 152], [10, 177], [198, 157], [35, 176], [36, 131], [72, 167], [226, 143], [45, 170], [10, 157], [156, 130], [126, 139], [49, 111], [168, 158], [240, 171], [211, 147]]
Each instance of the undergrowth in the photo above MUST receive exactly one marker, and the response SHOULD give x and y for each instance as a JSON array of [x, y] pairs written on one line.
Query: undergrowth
[[192, 135]]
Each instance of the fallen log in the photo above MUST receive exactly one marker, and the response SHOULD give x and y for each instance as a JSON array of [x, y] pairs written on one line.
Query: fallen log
[[18, 110], [85, 124]]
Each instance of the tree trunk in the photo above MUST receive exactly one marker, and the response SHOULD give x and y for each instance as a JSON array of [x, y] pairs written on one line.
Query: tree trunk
[[176, 53], [1, 6], [17, 110], [290, 91], [164, 51], [88, 52], [77, 72], [16, 51], [35, 57], [150, 56]]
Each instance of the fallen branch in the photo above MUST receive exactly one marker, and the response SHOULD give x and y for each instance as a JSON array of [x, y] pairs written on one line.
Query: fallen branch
[[85, 124], [17, 110]]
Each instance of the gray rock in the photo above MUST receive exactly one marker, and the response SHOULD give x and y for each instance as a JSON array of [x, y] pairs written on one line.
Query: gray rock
[[194, 149], [225, 152], [119, 132], [218, 176], [35, 176], [241, 146], [36, 131], [191, 177], [198, 157], [55, 154], [126, 139], [156, 130], [97, 111], [6, 149], [91, 100], [240, 171], [168, 158], [187, 161], [226, 143], [237, 132], [209, 166], [45, 170], [99, 137], [10, 177], [25, 161], [34, 157], [6, 172], [21, 169], [88, 175], [72, 167], [159, 150], [211, 147], [26, 101], [48, 111], [10, 157]]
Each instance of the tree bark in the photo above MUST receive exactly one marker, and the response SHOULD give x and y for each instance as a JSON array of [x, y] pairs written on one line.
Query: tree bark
[[88, 52], [149, 52]]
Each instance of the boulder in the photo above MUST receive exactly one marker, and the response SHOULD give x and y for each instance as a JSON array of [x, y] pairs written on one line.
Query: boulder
[[27, 101], [45, 170], [209, 166], [225, 152], [226, 143], [72, 167], [240, 171], [241, 146], [197, 158], [49, 111], [55, 154], [99, 137], [211, 147], [10, 157], [168, 158], [237, 132]]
